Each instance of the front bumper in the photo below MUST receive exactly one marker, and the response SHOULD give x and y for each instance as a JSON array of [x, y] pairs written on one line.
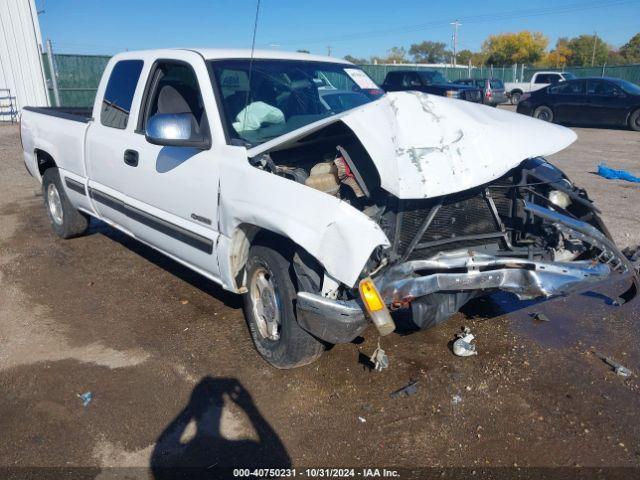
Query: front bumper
[[338, 321]]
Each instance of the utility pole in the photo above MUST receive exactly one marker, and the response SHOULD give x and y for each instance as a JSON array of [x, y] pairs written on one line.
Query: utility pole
[[328, 50], [595, 40], [52, 72], [455, 24]]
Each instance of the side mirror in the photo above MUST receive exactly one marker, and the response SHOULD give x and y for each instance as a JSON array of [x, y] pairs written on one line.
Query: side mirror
[[175, 130]]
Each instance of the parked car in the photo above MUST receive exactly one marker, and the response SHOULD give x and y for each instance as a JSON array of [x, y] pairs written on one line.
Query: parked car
[[538, 81], [229, 163], [493, 92], [428, 81], [589, 101]]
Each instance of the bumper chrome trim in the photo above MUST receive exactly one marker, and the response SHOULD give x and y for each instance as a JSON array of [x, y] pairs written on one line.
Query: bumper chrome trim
[[334, 321], [525, 278], [338, 321]]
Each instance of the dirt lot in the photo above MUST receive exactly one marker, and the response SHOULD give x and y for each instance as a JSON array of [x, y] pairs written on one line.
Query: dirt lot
[[176, 381]]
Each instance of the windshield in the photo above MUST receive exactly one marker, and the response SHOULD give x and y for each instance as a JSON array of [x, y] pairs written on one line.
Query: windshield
[[283, 95], [429, 78], [629, 87], [569, 76]]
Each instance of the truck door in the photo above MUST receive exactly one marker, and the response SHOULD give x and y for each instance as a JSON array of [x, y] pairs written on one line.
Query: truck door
[[170, 194], [107, 137]]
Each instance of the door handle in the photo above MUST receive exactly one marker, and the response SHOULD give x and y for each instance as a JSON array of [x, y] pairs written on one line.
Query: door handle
[[131, 158]]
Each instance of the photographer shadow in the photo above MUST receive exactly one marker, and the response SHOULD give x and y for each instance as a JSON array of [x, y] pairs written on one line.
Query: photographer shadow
[[206, 453]]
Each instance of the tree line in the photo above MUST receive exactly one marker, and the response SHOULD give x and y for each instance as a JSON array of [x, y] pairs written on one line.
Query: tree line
[[525, 47]]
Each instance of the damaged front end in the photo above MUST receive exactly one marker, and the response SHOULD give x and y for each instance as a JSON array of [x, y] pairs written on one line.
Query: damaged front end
[[530, 233], [461, 213]]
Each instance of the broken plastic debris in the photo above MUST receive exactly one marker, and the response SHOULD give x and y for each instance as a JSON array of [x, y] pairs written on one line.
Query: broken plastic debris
[[362, 419], [463, 347], [86, 398], [541, 317], [456, 399], [618, 368], [379, 358], [406, 391]]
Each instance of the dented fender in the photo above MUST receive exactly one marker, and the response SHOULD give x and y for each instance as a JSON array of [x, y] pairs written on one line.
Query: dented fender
[[338, 235]]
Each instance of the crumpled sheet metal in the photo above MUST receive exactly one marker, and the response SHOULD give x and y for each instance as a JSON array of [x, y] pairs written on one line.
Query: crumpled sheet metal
[[434, 146], [425, 145], [530, 280]]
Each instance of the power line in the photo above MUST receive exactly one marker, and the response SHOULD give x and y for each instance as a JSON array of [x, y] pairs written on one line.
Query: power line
[[455, 24], [485, 18]]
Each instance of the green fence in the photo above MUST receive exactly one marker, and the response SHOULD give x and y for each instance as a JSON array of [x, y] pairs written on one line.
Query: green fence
[[506, 74], [79, 75]]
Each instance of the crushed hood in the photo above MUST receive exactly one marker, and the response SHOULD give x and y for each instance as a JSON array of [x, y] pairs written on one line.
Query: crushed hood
[[426, 146]]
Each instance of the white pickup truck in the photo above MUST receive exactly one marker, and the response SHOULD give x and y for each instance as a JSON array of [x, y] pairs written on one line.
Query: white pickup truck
[[539, 80], [294, 181]]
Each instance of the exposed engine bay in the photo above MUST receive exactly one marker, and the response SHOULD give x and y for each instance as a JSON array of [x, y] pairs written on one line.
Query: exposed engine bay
[[506, 225]]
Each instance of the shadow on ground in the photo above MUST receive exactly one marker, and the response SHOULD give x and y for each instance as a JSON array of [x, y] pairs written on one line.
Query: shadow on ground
[[207, 454]]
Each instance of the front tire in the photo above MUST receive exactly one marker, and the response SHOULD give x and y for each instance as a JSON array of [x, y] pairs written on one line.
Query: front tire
[[66, 220], [514, 98], [634, 121], [543, 113], [269, 308]]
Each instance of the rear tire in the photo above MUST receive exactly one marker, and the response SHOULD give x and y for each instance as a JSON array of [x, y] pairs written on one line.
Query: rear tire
[[514, 98], [66, 220], [634, 121], [543, 113], [269, 308]]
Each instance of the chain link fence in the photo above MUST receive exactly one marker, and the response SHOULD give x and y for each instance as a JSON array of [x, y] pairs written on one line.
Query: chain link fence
[[79, 75]]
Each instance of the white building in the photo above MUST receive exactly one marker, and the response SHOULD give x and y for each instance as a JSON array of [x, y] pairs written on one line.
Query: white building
[[21, 68]]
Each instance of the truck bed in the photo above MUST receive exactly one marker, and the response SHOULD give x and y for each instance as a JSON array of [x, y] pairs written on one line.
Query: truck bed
[[76, 114]]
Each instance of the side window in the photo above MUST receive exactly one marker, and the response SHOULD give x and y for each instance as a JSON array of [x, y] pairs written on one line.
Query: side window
[[554, 78], [175, 89], [602, 89], [575, 87], [543, 78], [392, 80], [410, 80], [118, 95]]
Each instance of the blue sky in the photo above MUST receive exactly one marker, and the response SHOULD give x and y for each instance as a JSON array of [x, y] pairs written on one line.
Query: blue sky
[[357, 27]]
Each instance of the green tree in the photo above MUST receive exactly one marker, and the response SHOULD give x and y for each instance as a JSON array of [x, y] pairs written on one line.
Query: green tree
[[521, 47], [429, 52], [356, 60], [582, 51], [631, 50], [559, 56], [464, 56], [394, 55], [615, 57], [479, 58]]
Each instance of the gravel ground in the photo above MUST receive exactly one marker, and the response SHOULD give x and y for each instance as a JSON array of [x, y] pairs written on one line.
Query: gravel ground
[[176, 381]]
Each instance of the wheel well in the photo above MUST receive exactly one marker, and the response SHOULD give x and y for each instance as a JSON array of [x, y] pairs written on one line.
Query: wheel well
[[246, 235], [516, 90], [45, 161]]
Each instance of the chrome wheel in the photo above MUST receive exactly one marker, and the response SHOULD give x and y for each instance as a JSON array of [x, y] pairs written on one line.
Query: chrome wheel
[[54, 203], [265, 304]]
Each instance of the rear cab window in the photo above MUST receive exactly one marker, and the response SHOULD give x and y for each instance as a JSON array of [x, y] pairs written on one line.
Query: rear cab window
[[118, 96]]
